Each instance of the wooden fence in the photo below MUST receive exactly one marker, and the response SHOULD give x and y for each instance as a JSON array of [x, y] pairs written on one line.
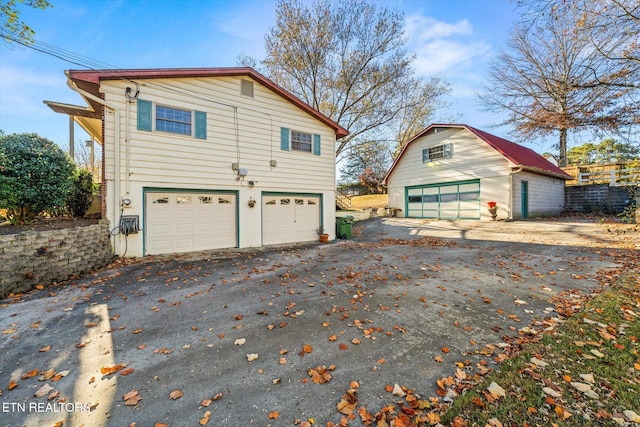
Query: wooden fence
[[615, 174]]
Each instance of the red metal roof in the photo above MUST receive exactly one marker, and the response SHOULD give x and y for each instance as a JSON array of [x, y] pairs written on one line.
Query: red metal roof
[[517, 154], [94, 77]]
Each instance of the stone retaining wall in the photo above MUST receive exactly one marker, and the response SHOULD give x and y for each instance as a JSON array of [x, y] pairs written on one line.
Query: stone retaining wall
[[596, 198], [357, 215], [36, 258]]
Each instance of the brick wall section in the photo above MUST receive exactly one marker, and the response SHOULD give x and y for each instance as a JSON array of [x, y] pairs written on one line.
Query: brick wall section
[[596, 198], [43, 257]]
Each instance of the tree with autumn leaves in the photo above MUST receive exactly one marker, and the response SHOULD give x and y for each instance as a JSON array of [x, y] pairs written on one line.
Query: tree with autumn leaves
[[570, 66]]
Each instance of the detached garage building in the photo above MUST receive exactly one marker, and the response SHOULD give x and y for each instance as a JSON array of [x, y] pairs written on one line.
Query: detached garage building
[[197, 159], [452, 171]]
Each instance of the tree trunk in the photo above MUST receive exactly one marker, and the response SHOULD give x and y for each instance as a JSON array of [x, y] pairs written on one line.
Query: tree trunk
[[562, 147]]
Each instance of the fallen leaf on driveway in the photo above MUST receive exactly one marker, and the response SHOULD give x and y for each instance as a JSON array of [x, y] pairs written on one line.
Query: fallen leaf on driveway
[[348, 403], [108, 370], [29, 374], [45, 349], [320, 374], [398, 391], [126, 372], [13, 384], [252, 356], [176, 394], [132, 398], [205, 419], [273, 415], [43, 391]]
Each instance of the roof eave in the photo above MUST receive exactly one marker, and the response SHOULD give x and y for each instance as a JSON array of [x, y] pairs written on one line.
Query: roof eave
[[94, 77], [543, 172]]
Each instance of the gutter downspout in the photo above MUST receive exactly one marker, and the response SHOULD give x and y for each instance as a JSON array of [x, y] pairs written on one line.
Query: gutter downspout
[[116, 192], [513, 172]]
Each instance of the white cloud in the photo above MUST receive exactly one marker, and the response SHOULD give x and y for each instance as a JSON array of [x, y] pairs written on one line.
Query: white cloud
[[443, 47], [448, 56], [422, 28]]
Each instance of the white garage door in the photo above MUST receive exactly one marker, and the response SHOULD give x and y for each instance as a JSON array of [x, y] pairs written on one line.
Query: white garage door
[[290, 218], [189, 221], [452, 200]]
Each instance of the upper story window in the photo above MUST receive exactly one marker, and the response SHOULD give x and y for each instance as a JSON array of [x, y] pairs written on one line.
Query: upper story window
[[301, 141], [153, 117], [173, 120], [437, 153]]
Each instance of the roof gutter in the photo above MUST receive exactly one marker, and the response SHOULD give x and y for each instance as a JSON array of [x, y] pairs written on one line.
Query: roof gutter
[[116, 192]]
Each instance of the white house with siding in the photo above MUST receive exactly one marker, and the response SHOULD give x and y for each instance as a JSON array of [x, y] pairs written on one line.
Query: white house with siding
[[197, 159], [452, 171]]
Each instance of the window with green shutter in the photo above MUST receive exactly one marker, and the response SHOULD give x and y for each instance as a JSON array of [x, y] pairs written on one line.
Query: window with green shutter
[[299, 141]]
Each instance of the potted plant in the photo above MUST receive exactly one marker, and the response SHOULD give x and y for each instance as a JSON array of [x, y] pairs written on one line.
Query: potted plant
[[324, 237], [493, 209]]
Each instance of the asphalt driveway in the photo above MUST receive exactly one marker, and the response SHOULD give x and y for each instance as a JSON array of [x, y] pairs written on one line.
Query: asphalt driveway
[[235, 333]]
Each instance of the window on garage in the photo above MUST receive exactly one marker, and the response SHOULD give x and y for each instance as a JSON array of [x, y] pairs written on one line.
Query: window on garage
[[438, 152]]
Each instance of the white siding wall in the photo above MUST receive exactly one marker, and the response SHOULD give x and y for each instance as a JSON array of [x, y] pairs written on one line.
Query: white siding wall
[[248, 134], [546, 195], [471, 159]]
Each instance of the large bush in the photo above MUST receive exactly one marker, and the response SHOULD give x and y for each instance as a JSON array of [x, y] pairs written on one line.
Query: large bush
[[81, 194], [35, 176]]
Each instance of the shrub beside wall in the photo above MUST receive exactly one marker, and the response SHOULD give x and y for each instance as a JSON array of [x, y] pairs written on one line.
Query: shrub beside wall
[[36, 258]]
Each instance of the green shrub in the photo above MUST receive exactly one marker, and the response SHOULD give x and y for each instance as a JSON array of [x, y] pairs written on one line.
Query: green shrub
[[81, 194], [35, 176]]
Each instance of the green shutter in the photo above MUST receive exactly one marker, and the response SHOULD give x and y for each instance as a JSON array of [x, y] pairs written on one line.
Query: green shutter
[[316, 144], [144, 115], [284, 139], [201, 124], [447, 151]]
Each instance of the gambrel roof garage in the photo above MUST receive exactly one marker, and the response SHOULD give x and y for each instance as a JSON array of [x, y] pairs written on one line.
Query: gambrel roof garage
[[451, 171]]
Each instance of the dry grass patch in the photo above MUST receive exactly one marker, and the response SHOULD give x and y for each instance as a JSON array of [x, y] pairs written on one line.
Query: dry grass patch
[[369, 201]]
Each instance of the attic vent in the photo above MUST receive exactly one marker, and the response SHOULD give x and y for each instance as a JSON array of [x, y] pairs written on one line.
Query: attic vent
[[247, 88]]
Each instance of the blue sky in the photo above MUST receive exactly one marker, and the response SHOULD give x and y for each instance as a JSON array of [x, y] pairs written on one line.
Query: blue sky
[[457, 38]]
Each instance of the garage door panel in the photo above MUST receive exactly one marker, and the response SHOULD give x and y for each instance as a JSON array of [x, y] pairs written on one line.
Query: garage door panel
[[447, 201], [189, 221], [290, 218]]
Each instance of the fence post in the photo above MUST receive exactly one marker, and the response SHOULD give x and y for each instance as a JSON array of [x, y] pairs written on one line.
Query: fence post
[[612, 183]]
